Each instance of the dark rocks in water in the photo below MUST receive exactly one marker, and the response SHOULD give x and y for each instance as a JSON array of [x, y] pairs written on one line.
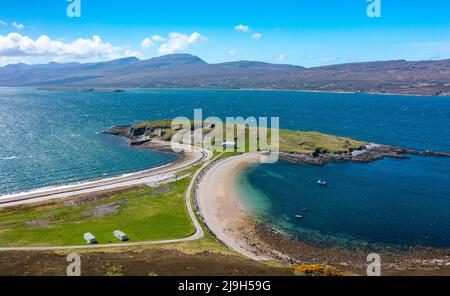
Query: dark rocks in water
[[369, 153], [121, 131], [140, 141], [427, 153], [301, 158], [142, 136], [126, 131]]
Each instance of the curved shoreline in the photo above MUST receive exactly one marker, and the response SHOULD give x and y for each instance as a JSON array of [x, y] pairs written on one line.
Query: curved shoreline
[[220, 208], [84, 182], [199, 233], [223, 214], [153, 175], [206, 156]]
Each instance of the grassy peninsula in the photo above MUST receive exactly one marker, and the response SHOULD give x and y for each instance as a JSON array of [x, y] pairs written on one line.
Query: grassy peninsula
[[148, 213], [296, 142], [144, 213]]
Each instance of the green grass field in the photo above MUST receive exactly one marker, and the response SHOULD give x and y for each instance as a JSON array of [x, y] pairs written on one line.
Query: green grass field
[[145, 214], [309, 142], [303, 142]]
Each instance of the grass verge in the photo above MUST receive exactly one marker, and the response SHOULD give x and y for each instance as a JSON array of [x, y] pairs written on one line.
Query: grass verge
[[144, 214]]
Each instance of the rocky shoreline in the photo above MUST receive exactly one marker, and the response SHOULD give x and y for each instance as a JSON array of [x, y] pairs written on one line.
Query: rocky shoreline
[[220, 209], [369, 153], [249, 237], [413, 261]]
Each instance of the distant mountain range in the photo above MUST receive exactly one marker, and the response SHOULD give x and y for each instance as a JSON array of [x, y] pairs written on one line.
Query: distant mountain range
[[188, 71]]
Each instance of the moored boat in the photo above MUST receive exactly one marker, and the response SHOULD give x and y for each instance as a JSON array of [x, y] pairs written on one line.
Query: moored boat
[[322, 183]]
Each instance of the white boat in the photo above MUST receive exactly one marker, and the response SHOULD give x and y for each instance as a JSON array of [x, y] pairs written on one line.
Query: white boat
[[322, 183], [299, 216]]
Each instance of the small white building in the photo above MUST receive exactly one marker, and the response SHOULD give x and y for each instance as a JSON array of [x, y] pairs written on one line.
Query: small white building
[[229, 145], [90, 238], [120, 235]]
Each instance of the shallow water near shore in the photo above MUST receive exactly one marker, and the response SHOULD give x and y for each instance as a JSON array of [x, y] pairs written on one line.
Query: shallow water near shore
[[51, 138], [391, 203]]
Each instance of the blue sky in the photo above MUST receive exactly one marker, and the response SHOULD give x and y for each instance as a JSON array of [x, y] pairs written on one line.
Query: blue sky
[[309, 33]]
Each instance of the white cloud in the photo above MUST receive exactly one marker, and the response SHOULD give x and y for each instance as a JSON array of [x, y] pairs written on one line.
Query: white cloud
[[94, 49], [18, 26], [281, 57], [178, 42], [247, 29], [2, 23], [232, 53], [257, 36], [158, 38], [242, 28], [147, 43], [150, 41]]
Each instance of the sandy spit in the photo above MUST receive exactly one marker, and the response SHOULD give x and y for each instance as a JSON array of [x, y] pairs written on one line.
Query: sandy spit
[[222, 212]]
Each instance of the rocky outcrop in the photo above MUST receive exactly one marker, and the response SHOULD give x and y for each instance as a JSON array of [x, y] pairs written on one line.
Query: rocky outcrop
[[121, 131], [142, 137], [369, 153], [141, 134], [137, 136]]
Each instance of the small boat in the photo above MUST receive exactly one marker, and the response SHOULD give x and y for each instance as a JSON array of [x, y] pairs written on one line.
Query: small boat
[[299, 216], [322, 183]]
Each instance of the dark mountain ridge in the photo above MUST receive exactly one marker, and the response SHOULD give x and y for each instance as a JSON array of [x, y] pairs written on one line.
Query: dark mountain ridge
[[188, 71]]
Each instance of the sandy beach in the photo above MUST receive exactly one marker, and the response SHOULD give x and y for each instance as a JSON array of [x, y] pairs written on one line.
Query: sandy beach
[[220, 208], [151, 176], [225, 217]]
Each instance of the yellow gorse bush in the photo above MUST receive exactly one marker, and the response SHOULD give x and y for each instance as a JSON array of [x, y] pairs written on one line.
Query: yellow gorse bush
[[318, 270]]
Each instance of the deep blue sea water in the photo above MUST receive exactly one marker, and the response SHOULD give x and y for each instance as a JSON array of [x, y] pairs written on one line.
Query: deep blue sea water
[[50, 138]]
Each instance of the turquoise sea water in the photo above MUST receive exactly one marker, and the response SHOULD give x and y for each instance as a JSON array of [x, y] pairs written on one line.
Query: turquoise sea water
[[393, 202], [50, 138]]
